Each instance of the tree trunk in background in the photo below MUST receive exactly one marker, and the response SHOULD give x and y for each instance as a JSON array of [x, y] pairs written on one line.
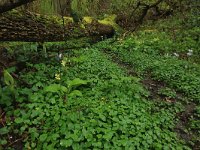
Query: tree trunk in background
[[29, 27], [49, 7], [6, 5], [63, 7]]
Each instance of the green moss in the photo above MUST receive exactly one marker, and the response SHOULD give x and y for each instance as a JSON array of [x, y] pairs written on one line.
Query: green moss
[[88, 19], [69, 19], [110, 20]]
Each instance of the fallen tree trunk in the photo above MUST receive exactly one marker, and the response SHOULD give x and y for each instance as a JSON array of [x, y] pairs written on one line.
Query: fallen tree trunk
[[15, 26], [6, 5]]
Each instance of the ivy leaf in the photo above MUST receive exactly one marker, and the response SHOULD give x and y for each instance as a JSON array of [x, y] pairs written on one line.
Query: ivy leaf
[[56, 117], [102, 117], [8, 79], [18, 120], [76, 146], [54, 88], [66, 143], [75, 137], [108, 135], [54, 136], [75, 93], [4, 130], [76, 82], [43, 137], [3, 142]]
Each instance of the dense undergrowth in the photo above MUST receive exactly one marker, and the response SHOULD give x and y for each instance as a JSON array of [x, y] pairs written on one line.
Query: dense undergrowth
[[87, 100], [110, 113]]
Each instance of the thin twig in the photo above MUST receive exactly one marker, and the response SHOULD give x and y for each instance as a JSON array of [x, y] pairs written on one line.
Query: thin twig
[[15, 141]]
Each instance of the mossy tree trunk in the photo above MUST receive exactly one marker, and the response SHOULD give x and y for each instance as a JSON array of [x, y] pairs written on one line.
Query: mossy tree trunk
[[30, 27], [6, 5]]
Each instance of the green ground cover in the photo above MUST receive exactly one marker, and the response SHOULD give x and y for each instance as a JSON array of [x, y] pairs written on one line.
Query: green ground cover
[[88, 99]]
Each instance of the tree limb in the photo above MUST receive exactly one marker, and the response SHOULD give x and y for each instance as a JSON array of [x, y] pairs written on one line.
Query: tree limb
[[35, 27], [6, 5], [146, 9]]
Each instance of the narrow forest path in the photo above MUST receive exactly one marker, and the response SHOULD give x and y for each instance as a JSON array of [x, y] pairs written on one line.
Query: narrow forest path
[[149, 83], [153, 86]]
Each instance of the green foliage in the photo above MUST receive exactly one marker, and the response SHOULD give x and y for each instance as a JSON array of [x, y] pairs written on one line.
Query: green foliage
[[167, 92], [86, 101], [152, 52], [8, 79], [112, 112], [7, 92], [54, 88], [167, 56]]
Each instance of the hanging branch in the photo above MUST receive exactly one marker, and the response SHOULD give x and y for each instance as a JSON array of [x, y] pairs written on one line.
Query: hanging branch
[[145, 9], [6, 5]]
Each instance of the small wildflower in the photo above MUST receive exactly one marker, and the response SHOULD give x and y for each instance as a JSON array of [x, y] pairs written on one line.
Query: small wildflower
[[63, 63], [167, 55], [60, 55], [190, 52], [176, 54], [57, 76]]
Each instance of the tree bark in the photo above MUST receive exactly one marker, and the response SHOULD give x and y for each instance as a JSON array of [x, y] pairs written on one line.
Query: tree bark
[[33, 28], [146, 9], [6, 5]]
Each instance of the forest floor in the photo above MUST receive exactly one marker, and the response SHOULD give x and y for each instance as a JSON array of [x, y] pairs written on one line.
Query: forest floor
[[137, 92]]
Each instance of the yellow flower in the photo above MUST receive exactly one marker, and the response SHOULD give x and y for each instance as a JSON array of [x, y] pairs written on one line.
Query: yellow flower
[[57, 76], [63, 63]]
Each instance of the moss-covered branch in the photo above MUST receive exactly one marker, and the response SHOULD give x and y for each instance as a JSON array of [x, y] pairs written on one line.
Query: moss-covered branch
[[6, 5], [15, 26]]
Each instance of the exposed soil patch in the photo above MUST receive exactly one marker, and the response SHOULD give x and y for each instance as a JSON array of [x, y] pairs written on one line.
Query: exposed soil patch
[[183, 127], [125, 65], [153, 86]]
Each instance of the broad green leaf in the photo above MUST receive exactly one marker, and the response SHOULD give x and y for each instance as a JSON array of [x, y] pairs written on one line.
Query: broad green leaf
[[56, 117], [54, 88], [66, 143], [75, 93], [43, 137], [76, 146], [54, 136], [108, 135], [4, 130], [75, 137], [102, 117], [2, 142], [64, 89], [78, 59], [8, 79], [18, 120], [76, 82]]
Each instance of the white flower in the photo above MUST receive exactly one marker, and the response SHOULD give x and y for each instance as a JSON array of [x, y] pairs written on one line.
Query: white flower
[[60, 55], [167, 55], [176, 54], [190, 52]]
